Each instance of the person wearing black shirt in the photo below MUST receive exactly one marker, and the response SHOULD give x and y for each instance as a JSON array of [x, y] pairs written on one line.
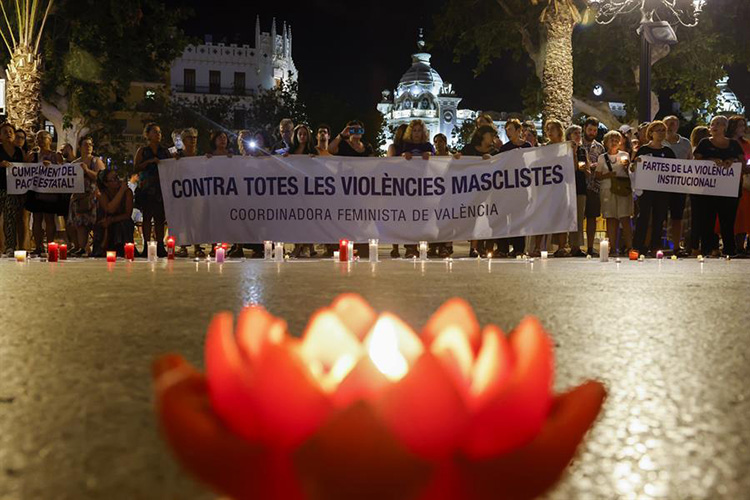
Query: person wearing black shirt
[[482, 144], [724, 152], [11, 206], [286, 131], [513, 129], [652, 204]]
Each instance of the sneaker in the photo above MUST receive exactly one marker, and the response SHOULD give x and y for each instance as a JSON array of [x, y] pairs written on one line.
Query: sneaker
[[560, 252], [411, 253], [395, 254], [161, 251], [577, 252], [10, 252], [37, 252], [473, 253], [592, 252], [182, 252], [200, 253], [236, 252]]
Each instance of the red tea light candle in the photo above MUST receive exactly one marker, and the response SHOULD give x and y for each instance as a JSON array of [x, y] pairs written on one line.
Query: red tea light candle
[[415, 401], [111, 256], [343, 250], [53, 252], [633, 255], [129, 251], [63, 251], [170, 247]]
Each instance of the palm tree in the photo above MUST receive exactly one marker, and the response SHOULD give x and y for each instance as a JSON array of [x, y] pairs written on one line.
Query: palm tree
[[24, 71], [559, 17]]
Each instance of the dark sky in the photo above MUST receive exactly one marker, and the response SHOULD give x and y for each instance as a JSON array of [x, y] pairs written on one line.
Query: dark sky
[[355, 49]]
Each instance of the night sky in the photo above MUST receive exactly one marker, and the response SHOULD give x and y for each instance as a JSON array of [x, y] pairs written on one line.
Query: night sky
[[354, 50]]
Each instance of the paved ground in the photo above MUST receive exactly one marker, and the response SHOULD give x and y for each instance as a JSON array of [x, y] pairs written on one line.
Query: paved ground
[[671, 340]]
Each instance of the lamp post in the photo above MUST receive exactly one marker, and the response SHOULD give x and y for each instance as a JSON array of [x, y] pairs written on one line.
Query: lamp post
[[659, 31]]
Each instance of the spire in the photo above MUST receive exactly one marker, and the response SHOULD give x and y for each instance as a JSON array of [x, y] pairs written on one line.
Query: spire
[[420, 40], [257, 32], [283, 41], [273, 37], [290, 41]]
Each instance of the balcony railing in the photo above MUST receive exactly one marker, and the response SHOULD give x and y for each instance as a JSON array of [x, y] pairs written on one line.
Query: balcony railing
[[209, 90]]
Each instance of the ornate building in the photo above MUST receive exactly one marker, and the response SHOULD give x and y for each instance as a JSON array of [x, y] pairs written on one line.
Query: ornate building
[[422, 93]]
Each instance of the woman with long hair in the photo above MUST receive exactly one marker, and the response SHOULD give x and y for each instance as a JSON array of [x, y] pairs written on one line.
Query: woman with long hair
[[302, 144], [10, 205], [736, 130], [82, 213], [114, 226]]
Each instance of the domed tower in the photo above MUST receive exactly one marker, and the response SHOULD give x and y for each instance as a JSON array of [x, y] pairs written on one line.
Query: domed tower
[[421, 93]]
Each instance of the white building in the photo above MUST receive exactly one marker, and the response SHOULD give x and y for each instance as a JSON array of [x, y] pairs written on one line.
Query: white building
[[422, 93], [217, 69]]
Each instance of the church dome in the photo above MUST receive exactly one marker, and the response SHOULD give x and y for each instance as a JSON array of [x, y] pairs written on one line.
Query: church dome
[[422, 74]]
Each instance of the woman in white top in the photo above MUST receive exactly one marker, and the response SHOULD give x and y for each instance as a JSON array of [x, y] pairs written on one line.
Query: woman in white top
[[616, 208]]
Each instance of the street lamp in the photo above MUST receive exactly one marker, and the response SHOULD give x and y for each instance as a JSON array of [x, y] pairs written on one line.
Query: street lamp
[[659, 31]]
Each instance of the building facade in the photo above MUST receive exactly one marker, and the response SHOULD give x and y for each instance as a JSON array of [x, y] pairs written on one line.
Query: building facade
[[422, 94]]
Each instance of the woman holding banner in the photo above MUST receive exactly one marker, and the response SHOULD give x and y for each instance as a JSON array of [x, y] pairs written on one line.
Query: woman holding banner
[[45, 206], [11, 206], [724, 151]]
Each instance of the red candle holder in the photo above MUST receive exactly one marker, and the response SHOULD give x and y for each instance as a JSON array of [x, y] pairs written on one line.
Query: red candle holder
[[111, 256], [343, 250], [170, 247], [633, 255], [361, 406], [129, 251], [63, 251], [52, 252]]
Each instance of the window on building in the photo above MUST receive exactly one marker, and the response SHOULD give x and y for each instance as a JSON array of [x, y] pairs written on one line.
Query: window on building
[[239, 83], [188, 81], [214, 82], [239, 118]]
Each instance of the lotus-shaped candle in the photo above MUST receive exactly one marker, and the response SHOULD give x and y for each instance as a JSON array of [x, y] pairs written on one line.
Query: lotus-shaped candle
[[361, 406]]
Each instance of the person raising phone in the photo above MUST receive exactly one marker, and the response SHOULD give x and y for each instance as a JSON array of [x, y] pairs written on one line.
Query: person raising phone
[[349, 141]]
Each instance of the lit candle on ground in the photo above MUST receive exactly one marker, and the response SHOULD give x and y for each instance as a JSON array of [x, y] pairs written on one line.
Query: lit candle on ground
[[350, 250], [422, 250], [63, 251], [544, 254], [170, 247], [604, 250], [267, 250], [633, 255], [20, 255], [659, 254], [278, 252], [343, 250], [111, 256], [152, 251], [373, 250], [335, 255], [674, 257], [220, 255], [129, 251], [52, 252], [641, 258]]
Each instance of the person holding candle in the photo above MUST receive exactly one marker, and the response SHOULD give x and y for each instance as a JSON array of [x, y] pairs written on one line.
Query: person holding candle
[[593, 204], [616, 201], [574, 134], [24, 217], [45, 206], [114, 226], [516, 140], [83, 205], [724, 151], [11, 206], [189, 138], [148, 196], [652, 204]]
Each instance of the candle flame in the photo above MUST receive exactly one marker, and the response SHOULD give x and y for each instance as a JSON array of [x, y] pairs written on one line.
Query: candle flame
[[384, 352]]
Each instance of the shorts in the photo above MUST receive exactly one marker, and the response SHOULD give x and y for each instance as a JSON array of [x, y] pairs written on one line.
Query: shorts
[[677, 205], [614, 206], [593, 205]]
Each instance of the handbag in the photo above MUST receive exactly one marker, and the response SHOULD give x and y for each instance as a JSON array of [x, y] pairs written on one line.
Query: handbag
[[620, 186]]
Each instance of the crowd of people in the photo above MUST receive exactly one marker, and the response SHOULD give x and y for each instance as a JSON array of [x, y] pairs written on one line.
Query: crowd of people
[[103, 217]]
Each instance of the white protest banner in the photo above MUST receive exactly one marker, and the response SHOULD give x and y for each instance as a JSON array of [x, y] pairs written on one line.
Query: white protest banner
[[687, 176], [322, 199], [22, 177]]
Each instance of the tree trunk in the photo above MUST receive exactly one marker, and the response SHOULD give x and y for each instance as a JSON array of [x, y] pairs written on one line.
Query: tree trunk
[[557, 78], [24, 89]]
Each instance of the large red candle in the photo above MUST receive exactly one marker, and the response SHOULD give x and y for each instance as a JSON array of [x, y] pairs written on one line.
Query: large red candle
[[63, 251], [343, 250], [361, 403], [111, 256], [52, 252], [170, 247], [129, 251]]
